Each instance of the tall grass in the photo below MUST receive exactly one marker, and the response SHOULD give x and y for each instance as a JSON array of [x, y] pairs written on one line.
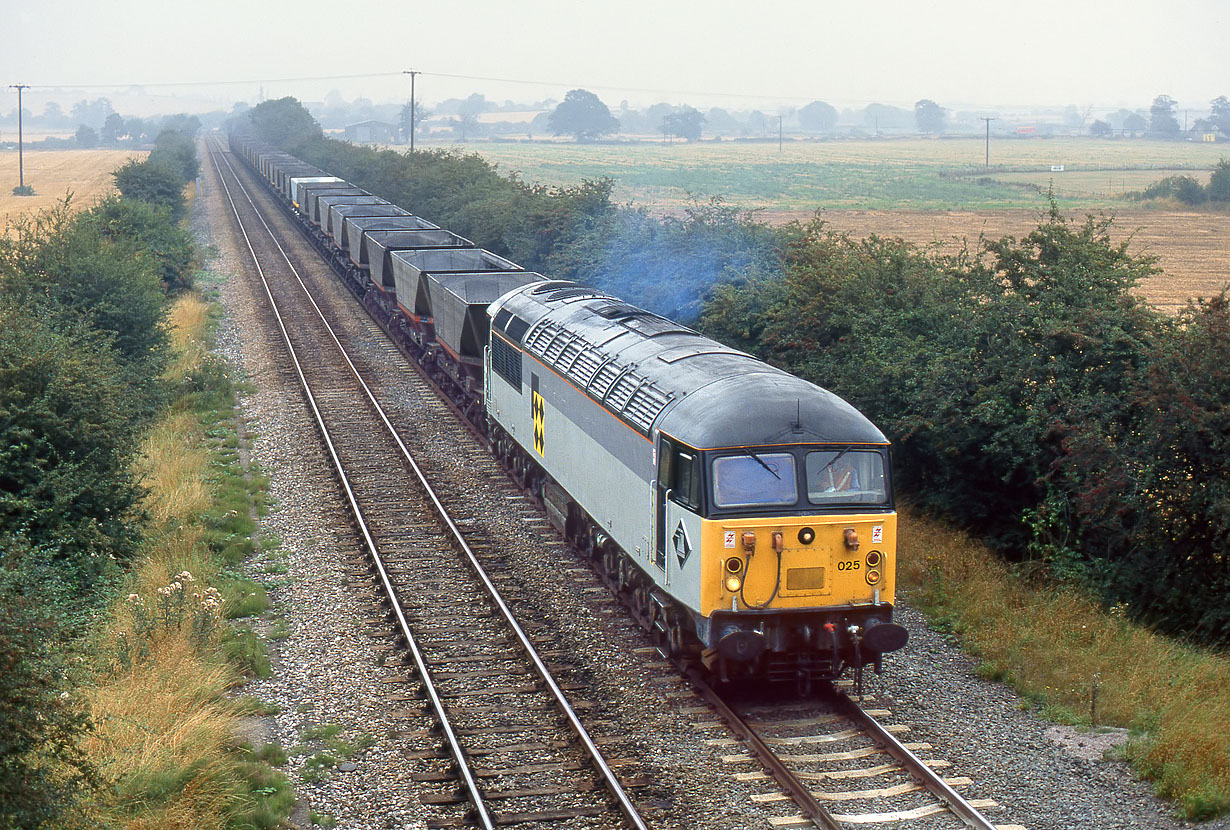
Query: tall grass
[[1079, 663], [164, 741]]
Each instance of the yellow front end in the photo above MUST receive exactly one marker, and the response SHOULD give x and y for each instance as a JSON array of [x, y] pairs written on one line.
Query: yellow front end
[[798, 562]]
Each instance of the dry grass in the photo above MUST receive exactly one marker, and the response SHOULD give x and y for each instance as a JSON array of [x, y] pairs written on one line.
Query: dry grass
[[165, 739], [54, 173], [1059, 650], [175, 471]]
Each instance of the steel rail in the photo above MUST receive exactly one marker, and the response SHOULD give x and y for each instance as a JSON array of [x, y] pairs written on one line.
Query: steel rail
[[928, 777], [454, 743], [616, 789], [769, 759]]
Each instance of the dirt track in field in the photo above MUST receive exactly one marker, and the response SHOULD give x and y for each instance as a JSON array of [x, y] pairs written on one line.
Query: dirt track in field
[[1193, 248]]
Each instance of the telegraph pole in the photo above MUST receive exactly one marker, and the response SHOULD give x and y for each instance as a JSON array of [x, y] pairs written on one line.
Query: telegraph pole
[[779, 133], [411, 73], [988, 120], [21, 169]]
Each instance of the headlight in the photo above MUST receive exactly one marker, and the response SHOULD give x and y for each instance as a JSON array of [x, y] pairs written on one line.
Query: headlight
[[873, 576], [733, 584]]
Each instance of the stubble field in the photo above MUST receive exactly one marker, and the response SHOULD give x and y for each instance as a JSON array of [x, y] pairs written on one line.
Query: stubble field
[[55, 173], [923, 190]]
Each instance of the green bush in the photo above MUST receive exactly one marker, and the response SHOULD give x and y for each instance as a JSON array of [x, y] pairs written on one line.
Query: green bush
[[1218, 189], [42, 769], [1181, 188]]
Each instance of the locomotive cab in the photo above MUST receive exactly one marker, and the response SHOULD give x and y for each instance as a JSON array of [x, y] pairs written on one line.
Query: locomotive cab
[[795, 545]]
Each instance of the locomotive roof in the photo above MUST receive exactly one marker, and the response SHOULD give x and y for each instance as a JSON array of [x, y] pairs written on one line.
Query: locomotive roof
[[655, 373]]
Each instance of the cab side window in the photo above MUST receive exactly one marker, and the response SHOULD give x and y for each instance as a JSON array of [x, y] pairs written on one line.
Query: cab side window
[[685, 488], [679, 472]]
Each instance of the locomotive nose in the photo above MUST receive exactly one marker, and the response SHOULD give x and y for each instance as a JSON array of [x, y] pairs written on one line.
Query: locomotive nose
[[740, 645]]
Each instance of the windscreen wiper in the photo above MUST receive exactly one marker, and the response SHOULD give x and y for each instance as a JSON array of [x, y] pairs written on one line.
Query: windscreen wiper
[[833, 461], [766, 466]]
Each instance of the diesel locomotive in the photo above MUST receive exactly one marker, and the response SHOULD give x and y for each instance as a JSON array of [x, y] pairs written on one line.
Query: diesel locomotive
[[744, 515]]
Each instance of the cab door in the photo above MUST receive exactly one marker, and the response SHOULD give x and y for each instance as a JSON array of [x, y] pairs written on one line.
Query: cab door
[[678, 502]]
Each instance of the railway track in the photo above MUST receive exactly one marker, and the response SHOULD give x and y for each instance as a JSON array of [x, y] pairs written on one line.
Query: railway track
[[503, 717], [469, 648]]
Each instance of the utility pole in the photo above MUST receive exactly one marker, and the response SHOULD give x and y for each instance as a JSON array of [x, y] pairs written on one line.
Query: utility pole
[[21, 168], [412, 73], [779, 133], [988, 120]]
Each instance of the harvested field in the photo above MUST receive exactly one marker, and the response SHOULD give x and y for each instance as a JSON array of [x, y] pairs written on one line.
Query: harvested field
[[54, 173], [922, 190], [1193, 248]]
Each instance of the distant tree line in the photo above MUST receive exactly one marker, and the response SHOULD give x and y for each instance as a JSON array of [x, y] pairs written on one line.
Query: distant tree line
[[83, 342], [1030, 395]]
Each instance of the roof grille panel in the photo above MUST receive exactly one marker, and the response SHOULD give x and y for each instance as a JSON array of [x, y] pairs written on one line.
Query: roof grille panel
[[645, 405], [623, 390], [585, 367], [603, 379]]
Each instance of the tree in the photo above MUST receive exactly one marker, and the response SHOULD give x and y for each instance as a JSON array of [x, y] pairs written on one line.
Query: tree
[[883, 117], [284, 123], [721, 121], [1218, 189], [404, 120], [582, 114], [86, 137], [929, 116], [112, 129], [1100, 129], [685, 122], [1221, 114], [1135, 123], [69, 434], [110, 284], [92, 113], [818, 117], [1161, 116], [466, 124], [152, 181], [153, 228], [177, 150]]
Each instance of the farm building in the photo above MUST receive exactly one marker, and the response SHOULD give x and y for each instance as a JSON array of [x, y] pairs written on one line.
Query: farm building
[[372, 132]]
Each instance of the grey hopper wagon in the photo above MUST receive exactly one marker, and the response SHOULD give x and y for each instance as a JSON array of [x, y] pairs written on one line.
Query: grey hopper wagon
[[276, 167], [296, 184], [378, 247], [356, 228], [338, 214], [325, 201], [459, 303], [268, 160], [311, 195], [410, 270], [286, 173]]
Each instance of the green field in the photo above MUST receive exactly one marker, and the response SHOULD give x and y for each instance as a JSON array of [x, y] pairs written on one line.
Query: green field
[[893, 174]]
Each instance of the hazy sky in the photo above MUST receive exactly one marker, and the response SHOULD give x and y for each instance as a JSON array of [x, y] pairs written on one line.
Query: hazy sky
[[768, 54]]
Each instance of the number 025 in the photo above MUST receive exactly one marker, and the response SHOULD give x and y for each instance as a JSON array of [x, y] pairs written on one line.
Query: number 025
[[852, 565]]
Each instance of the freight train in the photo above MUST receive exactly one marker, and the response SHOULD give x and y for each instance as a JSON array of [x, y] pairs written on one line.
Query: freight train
[[744, 515]]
